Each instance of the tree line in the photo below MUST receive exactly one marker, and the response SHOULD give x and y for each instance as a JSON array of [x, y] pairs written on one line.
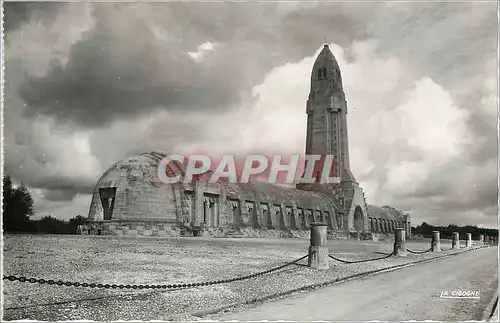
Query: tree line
[[446, 232], [18, 208]]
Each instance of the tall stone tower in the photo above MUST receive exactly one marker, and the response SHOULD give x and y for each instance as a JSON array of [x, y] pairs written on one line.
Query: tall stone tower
[[327, 114], [327, 135]]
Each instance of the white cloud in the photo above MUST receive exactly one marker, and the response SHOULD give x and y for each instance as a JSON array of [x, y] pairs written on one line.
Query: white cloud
[[391, 113], [47, 151], [60, 209], [489, 102], [202, 50], [405, 177], [434, 124]]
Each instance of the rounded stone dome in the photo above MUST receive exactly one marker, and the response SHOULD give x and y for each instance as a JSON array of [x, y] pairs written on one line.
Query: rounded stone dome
[[128, 191], [385, 212]]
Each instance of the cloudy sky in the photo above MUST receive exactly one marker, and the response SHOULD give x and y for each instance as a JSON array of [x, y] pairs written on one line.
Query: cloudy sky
[[89, 84]]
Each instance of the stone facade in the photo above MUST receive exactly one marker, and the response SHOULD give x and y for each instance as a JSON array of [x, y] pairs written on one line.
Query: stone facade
[[130, 200], [386, 219]]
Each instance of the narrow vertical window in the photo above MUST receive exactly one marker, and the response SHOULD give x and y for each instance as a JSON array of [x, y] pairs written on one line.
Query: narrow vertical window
[[324, 72], [320, 73]]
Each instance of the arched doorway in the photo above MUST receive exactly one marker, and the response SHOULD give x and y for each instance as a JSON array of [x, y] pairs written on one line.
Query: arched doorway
[[358, 219]]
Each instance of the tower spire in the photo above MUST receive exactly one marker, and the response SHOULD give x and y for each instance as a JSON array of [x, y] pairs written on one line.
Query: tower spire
[[327, 114]]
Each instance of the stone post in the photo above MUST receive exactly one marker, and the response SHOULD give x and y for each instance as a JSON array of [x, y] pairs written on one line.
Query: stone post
[[284, 221], [222, 209], [481, 239], [455, 243], [295, 214], [468, 240], [400, 242], [318, 250], [206, 212], [216, 214], [435, 244], [198, 204], [244, 214]]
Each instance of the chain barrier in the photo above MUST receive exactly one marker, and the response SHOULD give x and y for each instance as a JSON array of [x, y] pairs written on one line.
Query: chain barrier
[[358, 261], [385, 257], [418, 252], [42, 281], [172, 286]]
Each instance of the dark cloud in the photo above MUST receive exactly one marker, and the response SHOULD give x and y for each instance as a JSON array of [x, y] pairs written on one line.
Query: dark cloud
[[95, 87], [18, 13], [59, 195], [72, 185], [111, 75]]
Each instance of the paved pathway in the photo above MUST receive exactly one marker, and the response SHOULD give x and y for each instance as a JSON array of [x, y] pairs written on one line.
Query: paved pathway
[[412, 293]]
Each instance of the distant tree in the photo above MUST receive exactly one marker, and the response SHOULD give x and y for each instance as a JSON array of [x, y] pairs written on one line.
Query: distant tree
[[447, 231], [7, 199], [17, 207], [76, 221], [51, 225], [23, 202]]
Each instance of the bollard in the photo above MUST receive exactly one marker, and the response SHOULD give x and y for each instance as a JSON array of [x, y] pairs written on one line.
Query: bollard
[[455, 243], [468, 240], [481, 239], [399, 242], [318, 250], [435, 244]]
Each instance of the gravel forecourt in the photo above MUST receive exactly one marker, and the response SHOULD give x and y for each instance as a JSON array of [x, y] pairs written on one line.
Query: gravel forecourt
[[150, 260]]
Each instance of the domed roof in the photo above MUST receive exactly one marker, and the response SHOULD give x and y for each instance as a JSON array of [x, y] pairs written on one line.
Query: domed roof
[[129, 190], [272, 193], [143, 165], [134, 164], [385, 212]]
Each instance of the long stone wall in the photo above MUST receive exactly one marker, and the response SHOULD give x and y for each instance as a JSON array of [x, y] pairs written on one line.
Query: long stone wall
[[131, 229], [177, 230], [379, 225], [208, 206]]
